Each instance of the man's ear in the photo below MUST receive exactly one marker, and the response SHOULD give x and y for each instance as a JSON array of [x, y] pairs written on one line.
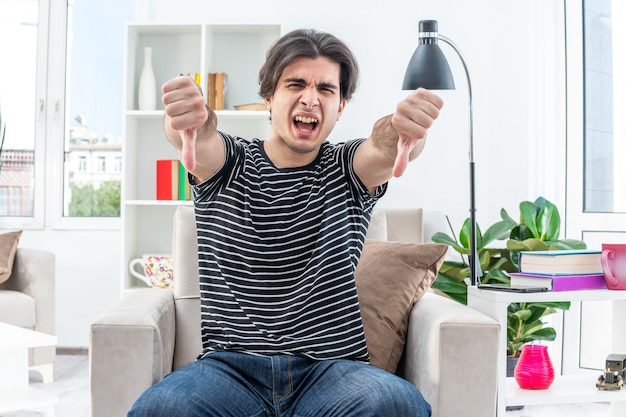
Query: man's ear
[[342, 106], [268, 103]]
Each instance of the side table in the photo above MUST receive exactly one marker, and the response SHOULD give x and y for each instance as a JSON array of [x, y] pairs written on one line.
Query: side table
[[565, 388], [15, 393]]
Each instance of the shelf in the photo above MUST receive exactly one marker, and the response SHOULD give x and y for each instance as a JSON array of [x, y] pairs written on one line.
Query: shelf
[[158, 203], [239, 51], [564, 390], [582, 295], [571, 388]]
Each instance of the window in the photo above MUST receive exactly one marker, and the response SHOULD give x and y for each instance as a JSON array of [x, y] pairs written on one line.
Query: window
[[596, 144], [604, 128], [82, 163], [18, 113], [94, 104], [62, 108]]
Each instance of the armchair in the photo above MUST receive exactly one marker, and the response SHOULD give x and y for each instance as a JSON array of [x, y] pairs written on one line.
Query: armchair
[[27, 300], [449, 354]]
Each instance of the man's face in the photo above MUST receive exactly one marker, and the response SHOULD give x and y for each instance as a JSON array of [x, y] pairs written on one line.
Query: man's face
[[306, 104]]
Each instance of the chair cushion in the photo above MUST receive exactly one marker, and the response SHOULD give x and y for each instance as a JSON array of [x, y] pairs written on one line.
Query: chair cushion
[[17, 308], [377, 229], [8, 247], [390, 278]]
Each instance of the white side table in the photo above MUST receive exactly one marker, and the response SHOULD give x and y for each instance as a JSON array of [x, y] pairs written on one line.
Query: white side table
[[15, 393], [565, 388]]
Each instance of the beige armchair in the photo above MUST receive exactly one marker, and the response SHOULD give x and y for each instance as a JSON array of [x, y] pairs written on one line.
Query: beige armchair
[[27, 300], [450, 354]]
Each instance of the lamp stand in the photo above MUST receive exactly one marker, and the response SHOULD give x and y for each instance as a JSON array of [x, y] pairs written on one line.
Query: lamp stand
[[476, 271]]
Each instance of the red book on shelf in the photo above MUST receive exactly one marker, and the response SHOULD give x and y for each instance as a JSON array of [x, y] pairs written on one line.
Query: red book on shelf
[[559, 282], [167, 179]]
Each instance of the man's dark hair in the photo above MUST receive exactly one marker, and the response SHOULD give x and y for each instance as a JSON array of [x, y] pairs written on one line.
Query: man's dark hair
[[308, 43]]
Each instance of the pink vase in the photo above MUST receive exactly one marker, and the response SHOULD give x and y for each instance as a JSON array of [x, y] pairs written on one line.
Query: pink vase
[[534, 369]]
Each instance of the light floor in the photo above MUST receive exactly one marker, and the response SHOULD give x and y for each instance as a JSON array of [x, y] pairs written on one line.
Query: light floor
[[71, 384]]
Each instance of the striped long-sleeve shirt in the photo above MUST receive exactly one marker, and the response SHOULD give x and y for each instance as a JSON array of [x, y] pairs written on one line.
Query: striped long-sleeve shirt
[[277, 253]]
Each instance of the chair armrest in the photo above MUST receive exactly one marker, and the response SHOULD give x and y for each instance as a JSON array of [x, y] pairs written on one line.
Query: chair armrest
[[131, 347], [34, 274], [450, 356]]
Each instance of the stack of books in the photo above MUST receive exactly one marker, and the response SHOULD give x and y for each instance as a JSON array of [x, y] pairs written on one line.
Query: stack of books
[[171, 180], [560, 270]]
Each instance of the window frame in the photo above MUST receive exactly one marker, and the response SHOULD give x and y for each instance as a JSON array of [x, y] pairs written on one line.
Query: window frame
[[52, 126]]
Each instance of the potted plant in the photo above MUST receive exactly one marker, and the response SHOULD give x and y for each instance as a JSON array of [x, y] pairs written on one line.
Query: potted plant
[[538, 229]]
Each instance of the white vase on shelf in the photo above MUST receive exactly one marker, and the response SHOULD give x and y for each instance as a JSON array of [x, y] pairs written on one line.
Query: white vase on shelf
[[146, 97]]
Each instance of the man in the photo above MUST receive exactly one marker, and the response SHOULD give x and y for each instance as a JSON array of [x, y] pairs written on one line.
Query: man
[[281, 225]]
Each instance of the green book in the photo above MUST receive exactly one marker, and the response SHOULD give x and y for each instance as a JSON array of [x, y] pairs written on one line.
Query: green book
[[184, 189]]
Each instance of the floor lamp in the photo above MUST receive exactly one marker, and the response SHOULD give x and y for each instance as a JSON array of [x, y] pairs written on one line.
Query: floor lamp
[[429, 69]]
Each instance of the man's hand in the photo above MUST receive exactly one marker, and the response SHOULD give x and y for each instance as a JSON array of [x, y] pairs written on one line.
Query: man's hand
[[185, 113], [412, 119]]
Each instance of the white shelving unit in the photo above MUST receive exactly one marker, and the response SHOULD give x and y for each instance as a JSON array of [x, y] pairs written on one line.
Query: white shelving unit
[[237, 50], [575, 388]]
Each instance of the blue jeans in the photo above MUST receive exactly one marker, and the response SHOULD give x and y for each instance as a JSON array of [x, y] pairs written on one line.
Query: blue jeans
[[241, 385]]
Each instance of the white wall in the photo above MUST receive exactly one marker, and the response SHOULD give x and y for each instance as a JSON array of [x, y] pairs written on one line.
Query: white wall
[[87, 277], [494, 37]]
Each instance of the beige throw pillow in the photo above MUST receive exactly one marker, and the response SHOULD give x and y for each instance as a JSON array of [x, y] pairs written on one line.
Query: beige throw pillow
[[8, 247], [390, 278]]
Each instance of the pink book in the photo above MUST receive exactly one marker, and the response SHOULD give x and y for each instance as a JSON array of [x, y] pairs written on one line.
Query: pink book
[[559, 282]]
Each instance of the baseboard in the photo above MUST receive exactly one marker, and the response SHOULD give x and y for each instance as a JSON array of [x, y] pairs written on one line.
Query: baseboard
[[65, 350]]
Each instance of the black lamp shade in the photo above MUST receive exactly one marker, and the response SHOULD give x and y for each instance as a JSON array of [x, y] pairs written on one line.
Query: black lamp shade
[[428, 67]]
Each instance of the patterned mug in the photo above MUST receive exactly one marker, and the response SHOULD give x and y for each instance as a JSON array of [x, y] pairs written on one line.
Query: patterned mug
[[156, 270]]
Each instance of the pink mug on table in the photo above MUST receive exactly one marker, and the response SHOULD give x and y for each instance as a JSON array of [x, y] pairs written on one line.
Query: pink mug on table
[[614, 265]]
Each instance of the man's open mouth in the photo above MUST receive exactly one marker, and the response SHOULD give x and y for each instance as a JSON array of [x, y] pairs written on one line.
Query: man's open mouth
[[305, 124]]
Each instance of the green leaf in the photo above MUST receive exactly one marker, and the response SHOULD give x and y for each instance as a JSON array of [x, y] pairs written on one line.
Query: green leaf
[[441, 237], [484, 258], [454, 270], [531, 244], [548, 222], [505, 216], [530, 328], [528, 216], [566, 244], [540, 202], [546, 333], [559, 305], [498, 231], [451, 287], [466, 231], [522, 314]]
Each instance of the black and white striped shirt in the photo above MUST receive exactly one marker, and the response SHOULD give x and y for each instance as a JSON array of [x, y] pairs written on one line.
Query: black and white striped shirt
[[277, 253]]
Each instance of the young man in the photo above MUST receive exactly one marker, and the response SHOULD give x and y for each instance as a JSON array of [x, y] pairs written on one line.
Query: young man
[[281, 225]]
